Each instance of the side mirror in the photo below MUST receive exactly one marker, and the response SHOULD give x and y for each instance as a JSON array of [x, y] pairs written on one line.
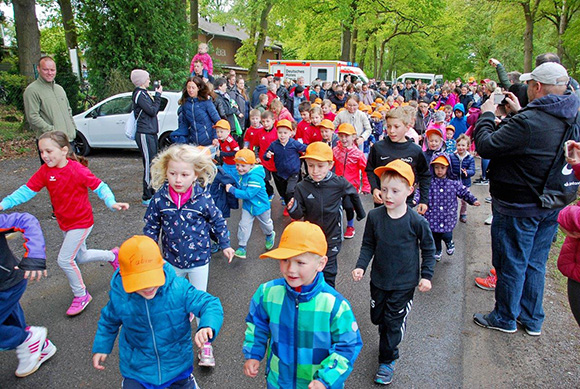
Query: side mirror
[[94, 114]]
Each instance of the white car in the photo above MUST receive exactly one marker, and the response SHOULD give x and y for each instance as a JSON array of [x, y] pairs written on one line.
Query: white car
[[103, 126]]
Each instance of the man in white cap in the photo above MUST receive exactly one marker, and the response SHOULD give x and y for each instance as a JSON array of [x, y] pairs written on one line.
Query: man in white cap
[[46, 105], [522, 151]]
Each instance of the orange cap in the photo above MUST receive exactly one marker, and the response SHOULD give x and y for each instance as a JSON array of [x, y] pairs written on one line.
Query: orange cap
[[450, 127], [327, 124], [379, 100], [401, 167], [361, 105], [377, 115], [319, 151], [299, 238], [245, 157], [346, 128], [318, 100], [441, 160], [383, 108], [433, 131], [373, 104], [222, 123], [140, 264], [284, 123]]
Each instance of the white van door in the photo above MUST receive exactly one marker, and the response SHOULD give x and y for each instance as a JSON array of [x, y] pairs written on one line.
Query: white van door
[[325, 73]]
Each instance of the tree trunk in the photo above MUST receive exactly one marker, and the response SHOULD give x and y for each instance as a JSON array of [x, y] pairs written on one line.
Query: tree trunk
[[68, 22], [193, 18], [346, 39], [363, 54], [528, 38], [381, 58], [375, 60], [27, 36], [260, 42], [352, 55], [562, 29]]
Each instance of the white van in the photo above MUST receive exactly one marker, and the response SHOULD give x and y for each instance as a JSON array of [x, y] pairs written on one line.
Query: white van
[[311, 70], [427, 78]]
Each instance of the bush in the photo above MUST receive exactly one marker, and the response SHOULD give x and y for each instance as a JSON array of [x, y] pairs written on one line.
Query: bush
[[68, 80], [12, 88]]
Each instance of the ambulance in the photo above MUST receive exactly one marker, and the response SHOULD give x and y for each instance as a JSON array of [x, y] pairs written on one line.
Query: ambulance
[[311, 70]]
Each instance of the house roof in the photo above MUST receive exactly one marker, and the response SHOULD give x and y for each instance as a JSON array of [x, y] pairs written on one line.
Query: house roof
[[229, 31]]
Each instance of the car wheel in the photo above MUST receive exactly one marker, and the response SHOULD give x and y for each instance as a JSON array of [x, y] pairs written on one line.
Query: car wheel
[[82, 146], [165, 140]]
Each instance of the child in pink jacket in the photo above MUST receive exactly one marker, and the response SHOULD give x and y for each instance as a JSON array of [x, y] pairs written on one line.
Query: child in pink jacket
[[204, 57]]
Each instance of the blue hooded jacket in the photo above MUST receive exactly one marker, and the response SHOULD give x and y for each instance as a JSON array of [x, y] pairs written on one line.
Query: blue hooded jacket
[[223, 200], [459, 124], [252, 190], [155, 343], [196, 119]]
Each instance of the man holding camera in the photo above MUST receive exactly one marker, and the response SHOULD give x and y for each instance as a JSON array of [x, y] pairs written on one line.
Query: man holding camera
[[522, 151]]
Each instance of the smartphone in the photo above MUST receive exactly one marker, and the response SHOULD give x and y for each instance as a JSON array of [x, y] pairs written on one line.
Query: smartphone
[[156, 84], [498, 98], [568, 146]]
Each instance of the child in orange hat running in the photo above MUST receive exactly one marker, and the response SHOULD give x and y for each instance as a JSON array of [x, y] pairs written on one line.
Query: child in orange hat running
[[228, 146]]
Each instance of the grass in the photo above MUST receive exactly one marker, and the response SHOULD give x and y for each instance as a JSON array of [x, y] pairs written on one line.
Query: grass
[[559, 279], [15, 140]]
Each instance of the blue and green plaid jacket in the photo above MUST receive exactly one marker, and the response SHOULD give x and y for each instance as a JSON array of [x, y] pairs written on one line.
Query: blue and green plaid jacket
[[312, 335]]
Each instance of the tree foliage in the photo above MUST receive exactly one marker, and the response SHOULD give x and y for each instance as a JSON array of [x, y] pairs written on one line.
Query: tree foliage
[[128, 34]]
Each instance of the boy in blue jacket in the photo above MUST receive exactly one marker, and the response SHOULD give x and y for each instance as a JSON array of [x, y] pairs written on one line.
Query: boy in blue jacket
[[255, 203], [151, 305]]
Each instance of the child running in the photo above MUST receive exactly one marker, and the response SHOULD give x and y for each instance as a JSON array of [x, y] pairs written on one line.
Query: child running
[[327, 132], [442, 212], [151, 306], [255, 204], [183, 213], [307, 329], [395, 238], [32, 346], [350, 162], [264, 139], [319, 197], [228, 146], [463, 168], [67, 181]]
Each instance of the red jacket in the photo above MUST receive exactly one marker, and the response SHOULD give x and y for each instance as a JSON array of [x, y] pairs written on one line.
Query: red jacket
[[351, 164], [569, 219], [263, 140]]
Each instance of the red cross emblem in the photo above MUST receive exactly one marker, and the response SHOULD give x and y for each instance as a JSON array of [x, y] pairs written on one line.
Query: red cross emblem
[[278, 74]]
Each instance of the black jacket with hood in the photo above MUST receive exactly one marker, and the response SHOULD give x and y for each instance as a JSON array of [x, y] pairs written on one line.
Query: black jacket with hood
[[145, 111]]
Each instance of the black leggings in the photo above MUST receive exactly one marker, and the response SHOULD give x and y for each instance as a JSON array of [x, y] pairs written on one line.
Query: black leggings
[[447, 237], [348, 208], [574, 298]]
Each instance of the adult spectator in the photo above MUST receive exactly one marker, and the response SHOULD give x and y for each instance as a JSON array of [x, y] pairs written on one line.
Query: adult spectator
[[270, 78], [573, 85], [423, 96], [226, 107], [238, 94], [281, 91], [145, 110], [199, 71], [522, 151], [338, 98], [358, 119], [261, 89], [423, 117], [315, 93], [196, 115], [464, 97], [231, 82], [46, 105]]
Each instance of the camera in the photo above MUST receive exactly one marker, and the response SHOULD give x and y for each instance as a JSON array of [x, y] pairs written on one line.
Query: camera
[[156, 84], [498, 98]]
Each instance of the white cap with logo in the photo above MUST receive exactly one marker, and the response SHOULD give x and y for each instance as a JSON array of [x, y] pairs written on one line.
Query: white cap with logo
[[549, 73]]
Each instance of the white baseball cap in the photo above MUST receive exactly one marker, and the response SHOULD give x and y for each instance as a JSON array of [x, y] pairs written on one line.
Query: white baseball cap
[[550, 73]]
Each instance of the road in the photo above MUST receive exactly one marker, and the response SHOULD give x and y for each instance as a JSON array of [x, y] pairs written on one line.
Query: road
[[442, 347]]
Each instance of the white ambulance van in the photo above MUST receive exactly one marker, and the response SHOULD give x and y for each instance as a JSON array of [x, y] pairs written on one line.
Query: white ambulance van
[[311, 70]]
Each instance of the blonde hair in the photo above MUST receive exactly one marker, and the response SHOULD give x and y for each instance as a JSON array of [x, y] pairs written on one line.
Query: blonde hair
[[399, 113], [465, 138], [199, 158], [317, 110]]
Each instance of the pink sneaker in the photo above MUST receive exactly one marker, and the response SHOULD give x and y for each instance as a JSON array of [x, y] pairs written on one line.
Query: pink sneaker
[[205, 355], [79, 304], [28, 352], [115, 262]]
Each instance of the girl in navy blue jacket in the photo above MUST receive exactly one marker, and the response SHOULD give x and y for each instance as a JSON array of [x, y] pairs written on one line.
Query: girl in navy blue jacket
[[184, 213]]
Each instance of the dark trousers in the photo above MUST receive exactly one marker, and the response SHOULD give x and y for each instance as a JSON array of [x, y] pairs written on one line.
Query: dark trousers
[[574, 298], [269, 187], [331, 268], [286, 186], [148, 146], [348, 208], [12, 323], [187, 383], [389, 310], [447, 237]]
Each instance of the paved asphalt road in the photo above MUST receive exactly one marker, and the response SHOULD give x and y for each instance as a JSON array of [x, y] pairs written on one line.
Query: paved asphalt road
[[431, 353]]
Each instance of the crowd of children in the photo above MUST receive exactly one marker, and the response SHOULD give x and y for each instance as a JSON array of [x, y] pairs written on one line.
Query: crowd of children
[[415, 170]]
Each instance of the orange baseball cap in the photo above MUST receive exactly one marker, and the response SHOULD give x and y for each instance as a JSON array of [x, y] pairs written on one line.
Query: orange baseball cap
[[441, 160], [383, 108], [222, 123], [401, 167], [245, 157], [299, 238], [140, 264], [450, 127], [379, 100], [327, 124], [319, 151], [377, 115], [318, 100], [433, 131], [346, 128], [284, 123]]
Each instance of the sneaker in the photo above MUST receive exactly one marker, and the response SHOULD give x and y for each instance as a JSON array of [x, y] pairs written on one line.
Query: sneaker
[[384, 375], [29, 351], [528, 331], [145, 203], [349, 233], [450, 248], [48, 351], [482, 320], [53, 216], [492, 272], [285, 213], [489, 220], [438, 256], [240, 253], [270, 240], [205, 355], [487, 283], [79, 304], [482, 182], [488, 200], [215, 247], [463, 218], [115, 262]]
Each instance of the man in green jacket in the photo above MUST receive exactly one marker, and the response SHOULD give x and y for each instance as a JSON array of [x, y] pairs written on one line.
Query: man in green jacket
[[46, 104]]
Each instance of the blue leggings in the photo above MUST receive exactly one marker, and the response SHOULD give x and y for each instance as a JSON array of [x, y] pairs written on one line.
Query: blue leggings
[[484, 164]]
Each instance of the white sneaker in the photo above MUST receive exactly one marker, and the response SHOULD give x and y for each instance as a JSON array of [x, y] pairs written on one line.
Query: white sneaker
[[205, 355], [48, 351], [29, 351], [488, 220]]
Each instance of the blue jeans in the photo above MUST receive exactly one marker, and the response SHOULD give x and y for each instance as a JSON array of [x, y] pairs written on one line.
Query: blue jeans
[[12, 322], [520, 248]]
